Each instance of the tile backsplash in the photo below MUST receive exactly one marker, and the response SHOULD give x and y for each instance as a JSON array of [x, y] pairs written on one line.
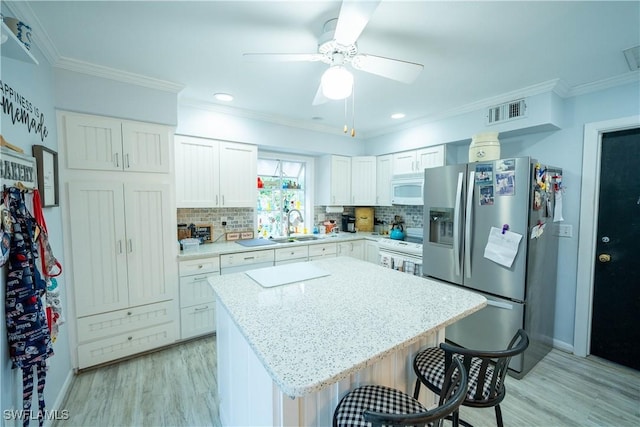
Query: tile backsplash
[[241, 219]]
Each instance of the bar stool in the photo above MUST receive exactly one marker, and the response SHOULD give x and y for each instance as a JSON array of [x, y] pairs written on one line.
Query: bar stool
[[487, 371], [380, 405]]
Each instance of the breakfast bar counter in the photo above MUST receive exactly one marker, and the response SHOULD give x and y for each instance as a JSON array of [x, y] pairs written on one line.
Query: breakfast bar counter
[[288, 353]]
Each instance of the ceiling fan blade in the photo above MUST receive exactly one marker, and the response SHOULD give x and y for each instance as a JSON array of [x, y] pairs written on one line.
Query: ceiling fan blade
[[282, 57], [394, 69], [354, 16], [319, 98]]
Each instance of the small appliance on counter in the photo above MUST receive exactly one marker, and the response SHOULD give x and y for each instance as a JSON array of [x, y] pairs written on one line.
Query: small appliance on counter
[[349, 223]]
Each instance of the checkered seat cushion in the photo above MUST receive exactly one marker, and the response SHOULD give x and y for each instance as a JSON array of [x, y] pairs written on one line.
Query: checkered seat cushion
[[374, 398], [430, 364]]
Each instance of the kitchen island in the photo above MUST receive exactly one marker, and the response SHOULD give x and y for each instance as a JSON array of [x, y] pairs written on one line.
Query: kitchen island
[[287, 354]]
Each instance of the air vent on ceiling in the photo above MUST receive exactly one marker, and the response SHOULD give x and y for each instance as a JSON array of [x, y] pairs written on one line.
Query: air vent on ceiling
[[507, 111]]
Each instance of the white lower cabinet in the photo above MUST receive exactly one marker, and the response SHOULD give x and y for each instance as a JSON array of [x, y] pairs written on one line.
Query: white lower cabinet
[[354, 249], [197, 299], [322, 250], [291, 254], [124, 285], [371, 251], [113, 335], [243, 261]]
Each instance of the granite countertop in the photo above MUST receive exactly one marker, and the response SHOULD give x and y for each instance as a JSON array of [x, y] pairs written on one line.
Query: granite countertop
[[311, 334], [224, 247]]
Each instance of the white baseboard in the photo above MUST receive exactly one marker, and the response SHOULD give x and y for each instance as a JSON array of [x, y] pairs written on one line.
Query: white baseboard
[[562, 346], [62, 395]]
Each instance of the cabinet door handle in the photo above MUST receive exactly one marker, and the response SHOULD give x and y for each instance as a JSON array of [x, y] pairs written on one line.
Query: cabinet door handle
[[201, 308], [223, 200], [200, 279], [120, 246], [130, 245], [126, 157], [117, 159], [248, 258], [216, 200]]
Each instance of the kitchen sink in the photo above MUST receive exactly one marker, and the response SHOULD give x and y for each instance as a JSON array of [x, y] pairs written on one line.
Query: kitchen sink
[[283, 240], [293, 239], [305, 238]]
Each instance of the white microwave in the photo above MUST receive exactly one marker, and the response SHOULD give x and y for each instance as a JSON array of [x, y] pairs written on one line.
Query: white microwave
[[407, 189]]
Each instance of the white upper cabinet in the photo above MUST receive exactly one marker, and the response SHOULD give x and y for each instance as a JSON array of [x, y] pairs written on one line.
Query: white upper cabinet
[[333, 180], [215, 174], [103, 143], [430, 157], [197, 174], [415, 161], [363, 180], [238, 175], [384, 168]]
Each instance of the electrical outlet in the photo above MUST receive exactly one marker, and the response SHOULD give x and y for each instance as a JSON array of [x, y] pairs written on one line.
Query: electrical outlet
[[565, 230]]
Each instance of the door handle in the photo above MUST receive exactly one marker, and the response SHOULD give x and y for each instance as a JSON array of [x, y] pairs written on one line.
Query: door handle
[[456, 225], [604, 257], [467, 226]]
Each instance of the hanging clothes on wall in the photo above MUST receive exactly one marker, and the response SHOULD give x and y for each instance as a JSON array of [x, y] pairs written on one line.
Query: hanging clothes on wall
[[27, 331]]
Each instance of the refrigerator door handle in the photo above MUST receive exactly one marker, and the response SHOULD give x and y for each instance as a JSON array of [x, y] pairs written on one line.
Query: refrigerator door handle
[[456, 225], [467, 225], [500, 304]]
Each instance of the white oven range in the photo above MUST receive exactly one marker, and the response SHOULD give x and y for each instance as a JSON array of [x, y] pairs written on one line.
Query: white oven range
[[403, 255]]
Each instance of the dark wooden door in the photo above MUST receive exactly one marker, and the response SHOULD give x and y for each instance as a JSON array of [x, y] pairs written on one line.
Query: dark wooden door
[[615, 324]]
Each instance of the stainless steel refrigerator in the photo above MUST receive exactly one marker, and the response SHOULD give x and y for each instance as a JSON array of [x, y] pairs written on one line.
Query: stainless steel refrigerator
[[461, 205]]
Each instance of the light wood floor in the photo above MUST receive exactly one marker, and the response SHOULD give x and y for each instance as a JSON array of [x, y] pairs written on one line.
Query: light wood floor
[[177, 387]]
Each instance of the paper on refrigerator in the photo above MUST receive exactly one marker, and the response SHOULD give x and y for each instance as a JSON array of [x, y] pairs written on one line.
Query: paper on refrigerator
[[502, 246]]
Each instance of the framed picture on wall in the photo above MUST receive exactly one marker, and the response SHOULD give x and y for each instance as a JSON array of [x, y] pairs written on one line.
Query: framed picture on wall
[[47, 166]]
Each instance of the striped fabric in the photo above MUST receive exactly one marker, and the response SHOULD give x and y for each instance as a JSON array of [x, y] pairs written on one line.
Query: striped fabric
[[373, 398], [430, 363]]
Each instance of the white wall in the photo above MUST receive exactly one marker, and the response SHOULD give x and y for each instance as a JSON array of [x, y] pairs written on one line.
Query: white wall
[[107, 97], [35, 84]]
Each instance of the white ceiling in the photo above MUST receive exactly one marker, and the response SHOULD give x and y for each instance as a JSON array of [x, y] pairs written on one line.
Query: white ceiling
[[472, 51]]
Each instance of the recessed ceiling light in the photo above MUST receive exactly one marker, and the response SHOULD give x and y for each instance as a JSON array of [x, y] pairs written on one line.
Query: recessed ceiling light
[[397, 115], [223, 97]]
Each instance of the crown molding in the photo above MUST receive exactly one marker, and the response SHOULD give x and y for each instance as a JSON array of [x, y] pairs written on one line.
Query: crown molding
[[83, 67], [619, 80]]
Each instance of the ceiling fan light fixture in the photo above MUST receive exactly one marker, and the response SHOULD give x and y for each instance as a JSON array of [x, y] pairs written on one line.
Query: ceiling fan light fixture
[[337, 82], [398, 116]]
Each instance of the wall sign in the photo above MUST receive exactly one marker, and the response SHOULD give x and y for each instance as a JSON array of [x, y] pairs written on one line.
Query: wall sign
[[16, 167], [22, 111]]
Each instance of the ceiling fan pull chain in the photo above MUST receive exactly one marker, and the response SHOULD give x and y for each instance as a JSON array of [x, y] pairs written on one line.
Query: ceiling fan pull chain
[[346, 128], [353, 110]]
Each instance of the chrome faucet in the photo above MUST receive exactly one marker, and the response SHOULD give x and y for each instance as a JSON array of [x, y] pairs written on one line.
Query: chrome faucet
[[289, 220]]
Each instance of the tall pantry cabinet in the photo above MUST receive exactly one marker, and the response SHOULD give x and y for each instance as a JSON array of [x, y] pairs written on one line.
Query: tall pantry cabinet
[[117, 181]]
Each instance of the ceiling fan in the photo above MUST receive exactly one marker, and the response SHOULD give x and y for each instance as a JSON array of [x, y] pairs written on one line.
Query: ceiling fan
[[338, 46]]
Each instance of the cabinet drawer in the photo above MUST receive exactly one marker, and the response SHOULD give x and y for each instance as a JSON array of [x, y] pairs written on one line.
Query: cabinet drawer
[[92, 328], [197, 320], [195, 290], [322, 249], [200, 266], [294, 252], [246, 258], [127, 344]]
